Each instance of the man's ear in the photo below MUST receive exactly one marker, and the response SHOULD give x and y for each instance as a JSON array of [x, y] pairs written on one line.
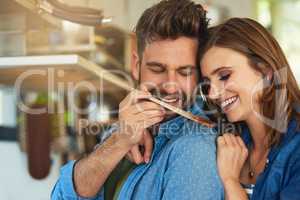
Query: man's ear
[[135, 67]]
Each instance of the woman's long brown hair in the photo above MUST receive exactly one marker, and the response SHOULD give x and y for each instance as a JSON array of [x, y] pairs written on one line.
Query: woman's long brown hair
[[281, 95]]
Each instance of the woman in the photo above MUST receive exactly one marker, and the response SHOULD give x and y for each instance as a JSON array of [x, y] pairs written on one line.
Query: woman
[[248, 77]]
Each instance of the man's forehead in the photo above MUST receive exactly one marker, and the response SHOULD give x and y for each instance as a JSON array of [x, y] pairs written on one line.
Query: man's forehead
[[179, 52], [170, 42]]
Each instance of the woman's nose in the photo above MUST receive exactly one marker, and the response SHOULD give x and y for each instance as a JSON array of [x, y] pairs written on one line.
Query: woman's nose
[[214, 92]]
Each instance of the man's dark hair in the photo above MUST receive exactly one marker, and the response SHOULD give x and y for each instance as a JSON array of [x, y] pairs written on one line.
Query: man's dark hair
[[170, 19]]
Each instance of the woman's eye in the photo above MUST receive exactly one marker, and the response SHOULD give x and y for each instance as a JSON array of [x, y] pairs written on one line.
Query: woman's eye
[[224, 77]]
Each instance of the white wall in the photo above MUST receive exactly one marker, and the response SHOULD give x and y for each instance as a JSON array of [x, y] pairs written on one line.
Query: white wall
[[237, 8], [16, 183], [8, 107]]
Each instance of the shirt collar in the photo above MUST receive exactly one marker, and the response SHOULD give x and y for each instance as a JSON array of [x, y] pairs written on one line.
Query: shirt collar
[[292, 130]]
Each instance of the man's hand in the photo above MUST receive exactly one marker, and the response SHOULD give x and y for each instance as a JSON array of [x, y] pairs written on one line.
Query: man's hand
[[135, 154], [136, 114]]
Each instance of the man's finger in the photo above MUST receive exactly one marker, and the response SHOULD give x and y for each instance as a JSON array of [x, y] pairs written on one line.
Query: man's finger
[[148, 145], [136, 154], [146, 105], [140, 95], [152, 121], [133, 98], [129, 156], [149, 114], [144, 88]]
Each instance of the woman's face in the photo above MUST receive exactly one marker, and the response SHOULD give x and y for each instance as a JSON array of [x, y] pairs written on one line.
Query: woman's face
[[231, 83]]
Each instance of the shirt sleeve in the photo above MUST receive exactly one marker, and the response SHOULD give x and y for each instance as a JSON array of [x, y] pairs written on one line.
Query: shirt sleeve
[[64, 187], [291, 190], [192, 170]]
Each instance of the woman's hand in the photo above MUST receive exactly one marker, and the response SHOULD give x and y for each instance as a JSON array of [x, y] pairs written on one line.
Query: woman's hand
[[231, 156]]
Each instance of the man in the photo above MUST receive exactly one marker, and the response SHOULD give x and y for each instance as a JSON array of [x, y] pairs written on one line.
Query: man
[[182, 164]]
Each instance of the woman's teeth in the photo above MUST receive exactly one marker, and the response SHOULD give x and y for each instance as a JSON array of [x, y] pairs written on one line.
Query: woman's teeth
[[228, 102]]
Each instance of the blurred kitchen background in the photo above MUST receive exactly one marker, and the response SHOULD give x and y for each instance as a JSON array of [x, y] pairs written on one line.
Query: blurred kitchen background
[[50, 63]]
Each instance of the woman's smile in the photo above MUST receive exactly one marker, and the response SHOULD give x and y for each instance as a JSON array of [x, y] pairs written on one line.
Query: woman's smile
[[229, 103]]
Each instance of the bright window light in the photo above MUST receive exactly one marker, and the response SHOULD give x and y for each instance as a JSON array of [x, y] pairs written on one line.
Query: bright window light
[[1, 107], [264, 13]]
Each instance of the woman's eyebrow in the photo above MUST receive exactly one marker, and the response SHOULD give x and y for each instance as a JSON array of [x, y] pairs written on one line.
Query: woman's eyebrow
[[219, 69], [216, 71]]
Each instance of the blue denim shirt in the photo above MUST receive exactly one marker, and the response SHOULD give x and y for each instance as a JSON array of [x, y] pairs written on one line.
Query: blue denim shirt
[[182, 166], [281, 177]]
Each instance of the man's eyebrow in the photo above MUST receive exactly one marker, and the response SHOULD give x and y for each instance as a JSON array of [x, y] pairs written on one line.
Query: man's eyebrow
[[153, 63], [186, 66]]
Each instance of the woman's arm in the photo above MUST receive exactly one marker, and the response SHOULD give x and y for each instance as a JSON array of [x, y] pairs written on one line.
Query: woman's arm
[[234, 190], [231, 156]]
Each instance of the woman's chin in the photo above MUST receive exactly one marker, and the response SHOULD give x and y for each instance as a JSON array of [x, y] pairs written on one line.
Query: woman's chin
[[231, 117]]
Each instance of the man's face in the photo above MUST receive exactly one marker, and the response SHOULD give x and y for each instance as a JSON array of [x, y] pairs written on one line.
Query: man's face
[[168, 69]]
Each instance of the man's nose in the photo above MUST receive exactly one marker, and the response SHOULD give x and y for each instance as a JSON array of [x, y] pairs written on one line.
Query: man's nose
[[171, 85]]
